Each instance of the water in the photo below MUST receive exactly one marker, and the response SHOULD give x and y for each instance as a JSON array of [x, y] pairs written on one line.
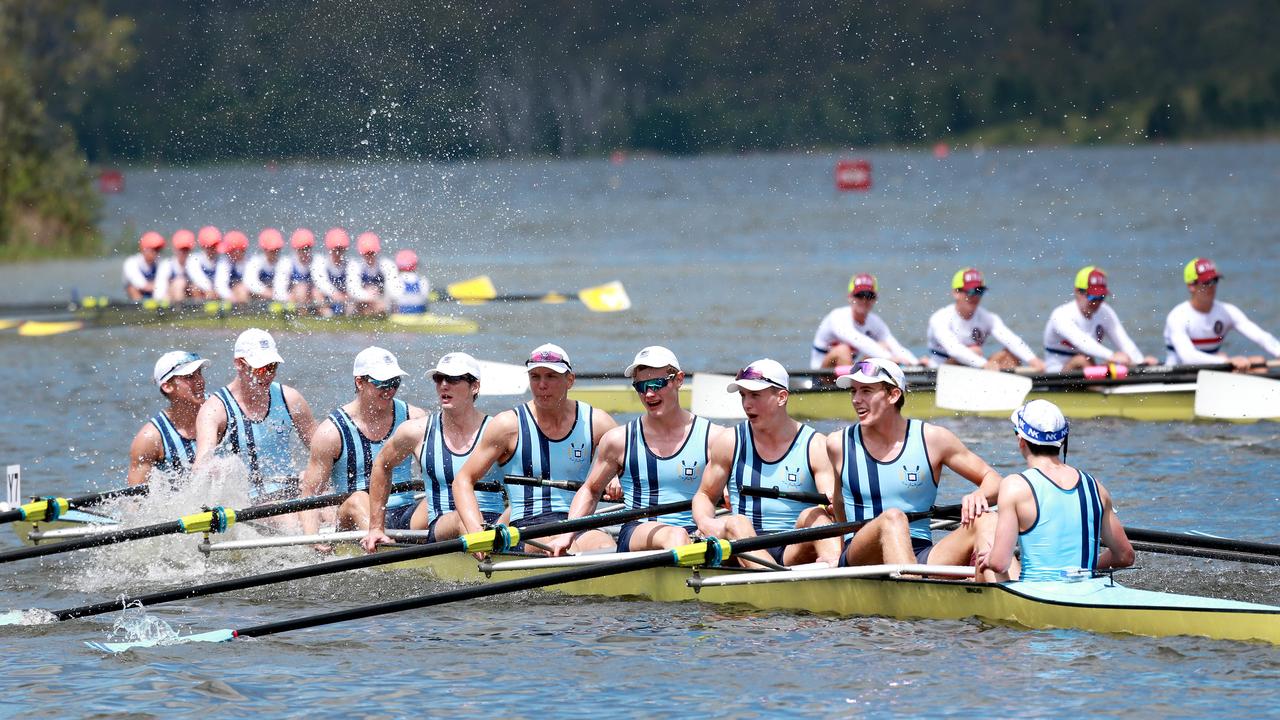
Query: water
[[726, 259]]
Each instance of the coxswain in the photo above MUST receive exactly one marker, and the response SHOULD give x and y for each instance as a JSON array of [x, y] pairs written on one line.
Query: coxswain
[[409, 291], [957, 332], [887, 466], [293, 283], [1195, 330], [346, 443], [658, 458], [329, 271], [228, 279], [770, 451], [441, 443], [850, 332], [172, 284], [253, 417], [141, 268], [202, 266], [551, 437], [261, 269], [368, 276], [1079, 331], [167, 441], [1059, 517]]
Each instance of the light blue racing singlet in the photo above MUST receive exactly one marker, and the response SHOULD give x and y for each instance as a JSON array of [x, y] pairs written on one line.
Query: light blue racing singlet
[[649, 480], [1065, 535], [791, 473], [440, 465], [179, 452], [567, 459], [905, 482], [354, 465], [264, 445]]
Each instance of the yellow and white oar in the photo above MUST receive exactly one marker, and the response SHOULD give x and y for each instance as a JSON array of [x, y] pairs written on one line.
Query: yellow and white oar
[[609, 297], [38, 328], [1236, 396]]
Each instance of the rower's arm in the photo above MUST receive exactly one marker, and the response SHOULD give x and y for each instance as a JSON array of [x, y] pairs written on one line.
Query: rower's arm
[[1117, 551], [252, 275], [824, 476], [1010, 340], [222, 279], [940, 328], [304, 422], [196, 274], [146, 450], [1176, 336], [1016, 501], [211, 422], [326, 446], [320, 276], [1251, 330], [1083, 342], [604, 468], [1124, 343], [402, 445], [899, 351], [714, 478], [953, 453], [835, 459], [498, 442]]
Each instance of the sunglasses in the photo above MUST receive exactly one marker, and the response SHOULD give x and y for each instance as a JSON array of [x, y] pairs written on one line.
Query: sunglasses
[[546, 356], [865, 295], [1209, 283], [750, 373], [654, 385], [976, 292], [268, 369], [391, 384], [451, 379], [871, 368], [1091, 298]]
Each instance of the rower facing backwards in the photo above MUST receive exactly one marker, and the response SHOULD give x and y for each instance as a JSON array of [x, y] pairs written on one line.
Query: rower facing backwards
[[167, 442]]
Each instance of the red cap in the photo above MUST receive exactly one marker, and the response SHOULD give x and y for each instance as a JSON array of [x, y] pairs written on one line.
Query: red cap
[[270, 239], [368, 243], [337, 238], [234, 240], [184, 240], [1200, 270], [209, 236], [967, 279], [862, 282], [302, 237], [407, 260], [1092, 280], [151, 240]]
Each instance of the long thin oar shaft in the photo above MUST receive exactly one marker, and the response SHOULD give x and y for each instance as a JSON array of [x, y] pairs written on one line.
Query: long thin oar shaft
[[50, 508]]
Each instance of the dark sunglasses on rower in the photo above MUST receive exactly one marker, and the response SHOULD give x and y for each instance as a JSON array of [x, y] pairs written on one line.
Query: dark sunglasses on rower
[[391, 384], [656, 384], [865, 295], [976, 292], [1209, 283], [451, 379]]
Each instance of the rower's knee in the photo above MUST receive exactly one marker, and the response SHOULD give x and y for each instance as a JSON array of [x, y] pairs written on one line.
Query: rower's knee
[[894, 519], [737, 527], [813, 517], [674, 537]]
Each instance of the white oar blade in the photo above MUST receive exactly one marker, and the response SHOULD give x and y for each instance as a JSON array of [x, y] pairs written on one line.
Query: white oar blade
[[503, 379], [974, 390], [119, 647], [1234, 396], [711, 400]]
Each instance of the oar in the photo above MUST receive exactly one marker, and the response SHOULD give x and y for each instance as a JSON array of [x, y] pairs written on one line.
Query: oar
[[777, 494], [711, 399], [1236, 396], [37, 328], [569, 485], [609, 297], [494, 540], [48, 509], [216, 520], [974, 390], [706, 553]]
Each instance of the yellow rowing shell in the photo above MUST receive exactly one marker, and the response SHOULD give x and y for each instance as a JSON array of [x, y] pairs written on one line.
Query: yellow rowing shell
[[424, 323]]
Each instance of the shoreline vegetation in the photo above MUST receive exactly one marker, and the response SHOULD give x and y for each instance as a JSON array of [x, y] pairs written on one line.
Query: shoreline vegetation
[[121, 82]]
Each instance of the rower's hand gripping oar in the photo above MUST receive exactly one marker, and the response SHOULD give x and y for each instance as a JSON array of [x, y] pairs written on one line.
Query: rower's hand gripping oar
[[48, 509], [707, 553]]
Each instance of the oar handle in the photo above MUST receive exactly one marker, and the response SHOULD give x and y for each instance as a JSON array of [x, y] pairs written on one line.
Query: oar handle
[[539, 482], [776, 493], [489, 487]]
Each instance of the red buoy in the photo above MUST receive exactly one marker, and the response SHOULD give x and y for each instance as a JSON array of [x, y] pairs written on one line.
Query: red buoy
[[853, 175], [110, 181]]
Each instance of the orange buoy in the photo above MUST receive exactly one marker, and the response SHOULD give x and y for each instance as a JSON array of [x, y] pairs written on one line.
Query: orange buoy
[[853, 175]]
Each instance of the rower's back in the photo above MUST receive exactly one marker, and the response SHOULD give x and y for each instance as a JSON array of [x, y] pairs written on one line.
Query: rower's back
[[1064, 538]]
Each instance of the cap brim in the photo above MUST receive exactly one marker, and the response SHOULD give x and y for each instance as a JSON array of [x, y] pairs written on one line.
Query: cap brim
[[262, 359], [386, 373], [846, 381], [557, 367], [749, 386], [184, 369]]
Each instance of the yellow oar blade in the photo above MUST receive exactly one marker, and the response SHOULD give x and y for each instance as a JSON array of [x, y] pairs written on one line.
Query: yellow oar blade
[[8, 323], [477, 288], [34, 328], [610, 297]]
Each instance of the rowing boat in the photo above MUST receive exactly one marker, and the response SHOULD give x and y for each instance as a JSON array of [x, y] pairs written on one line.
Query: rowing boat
[[271, 316], [73, 523]]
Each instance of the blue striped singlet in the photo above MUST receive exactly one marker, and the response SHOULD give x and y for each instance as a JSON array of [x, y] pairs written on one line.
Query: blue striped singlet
[[905, 482], [263, 445], [791, 472], [179, 452], [354, 465], [1067, 529], [440, 465], [649, 480], [536, 455]]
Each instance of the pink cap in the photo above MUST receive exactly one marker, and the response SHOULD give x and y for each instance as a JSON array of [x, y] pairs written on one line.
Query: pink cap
[[234, 240], [270, 239], [302, 237], [209, 236], [407, 260], [337, 238], [368, 243], [151, 240], [184, 240]]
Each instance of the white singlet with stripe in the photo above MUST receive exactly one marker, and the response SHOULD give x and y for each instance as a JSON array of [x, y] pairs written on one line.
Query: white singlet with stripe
[[366, 282], [538, 456], [1193, 337], [839, 326], [290, 272], [228, 275], [1069, 333], [1065, 536], [440, 465], [260, 274], [137, 273], [200, 271], [951, 335], [791, 472], [409, 292], [905, 482], [329, 279], [648, 479]]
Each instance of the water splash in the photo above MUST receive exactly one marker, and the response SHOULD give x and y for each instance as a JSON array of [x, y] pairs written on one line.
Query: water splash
[[135, 626]]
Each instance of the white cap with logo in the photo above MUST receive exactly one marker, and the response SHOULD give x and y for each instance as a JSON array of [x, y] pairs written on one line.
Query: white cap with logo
[[759, 375], [874, 370], [457, 364], [1040, 422], [550, 356], [257, 347], [376, 363], [654, 356], [176, 363]]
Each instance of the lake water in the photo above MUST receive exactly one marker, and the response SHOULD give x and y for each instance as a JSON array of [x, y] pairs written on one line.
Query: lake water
[[726, 259]]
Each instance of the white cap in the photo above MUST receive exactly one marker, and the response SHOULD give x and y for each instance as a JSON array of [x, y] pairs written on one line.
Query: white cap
[[377, 363], [258, 348], [874, 370], [550, 356], [654, 356], [176, 363], [457, 364], [761, 374], [1040, 422]]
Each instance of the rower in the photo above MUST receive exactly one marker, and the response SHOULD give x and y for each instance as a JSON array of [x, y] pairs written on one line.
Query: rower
[[172, 284], [329, 272], [408, 293], [887, 466], [261, 269], [228, 278], [658, 458], [167, 442], [202, 266], [140, 268], [548, 438], [1195, 330], [293, 282], [798, 464], [345, 443], [1060, 518], [1075, 336], [957, 332], [442, 443], [368, 275], [846, 333], [253, 417]]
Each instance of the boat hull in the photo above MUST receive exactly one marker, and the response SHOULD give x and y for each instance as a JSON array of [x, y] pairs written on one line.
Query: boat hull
[[424, 323]]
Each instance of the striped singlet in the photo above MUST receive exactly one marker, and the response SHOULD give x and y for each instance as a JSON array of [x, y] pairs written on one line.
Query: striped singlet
[[440, 464], [1065, 535], [536, 455], [263, 445], [354, 465], [791, 473], [179, 452], [905, 482], [649, 480]]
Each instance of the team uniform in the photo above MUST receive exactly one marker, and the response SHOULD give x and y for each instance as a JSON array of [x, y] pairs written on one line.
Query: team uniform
[[439, 465], [1069, 333], [1193, 337], [260, 276], [649, 480], [329, 278], [791, 473], [138, 273], [200, 271], [262, 445], [228, 275], [906, 482], [290, 272], [169, 270], [366, 283], [1065, 536], [865, 338], [179, 451], [537, 456], [408, 291], [354, 464], [950, 336]]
